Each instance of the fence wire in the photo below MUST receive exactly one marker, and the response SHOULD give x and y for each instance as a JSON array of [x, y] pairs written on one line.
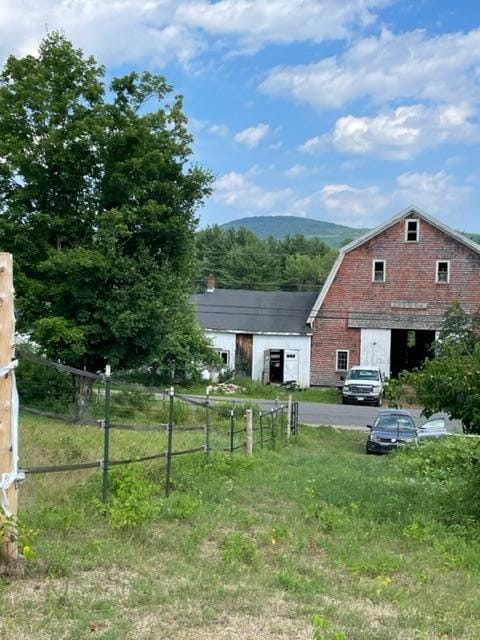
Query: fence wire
[[167, 424]]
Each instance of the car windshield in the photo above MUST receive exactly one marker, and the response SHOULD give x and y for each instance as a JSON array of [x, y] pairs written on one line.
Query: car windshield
[[363, 374], [393, 423]]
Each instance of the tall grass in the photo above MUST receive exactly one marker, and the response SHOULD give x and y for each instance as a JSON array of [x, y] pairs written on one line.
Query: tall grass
[[243, 548]]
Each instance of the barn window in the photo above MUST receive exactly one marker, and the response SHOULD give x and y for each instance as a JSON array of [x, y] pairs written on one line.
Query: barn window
[[412, 229], [342, 360], [443, 271], [225, 356], [378, 271]]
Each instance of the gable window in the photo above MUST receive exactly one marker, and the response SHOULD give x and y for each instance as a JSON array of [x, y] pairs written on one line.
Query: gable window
[[412, 229], [342, 360], [378, 271], [443, 272]]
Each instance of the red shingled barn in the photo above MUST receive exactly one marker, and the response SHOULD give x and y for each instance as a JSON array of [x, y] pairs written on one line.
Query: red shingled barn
[[385, 297]]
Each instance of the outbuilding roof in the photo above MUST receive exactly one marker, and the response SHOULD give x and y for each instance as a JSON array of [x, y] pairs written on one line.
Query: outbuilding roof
[[243, 311]]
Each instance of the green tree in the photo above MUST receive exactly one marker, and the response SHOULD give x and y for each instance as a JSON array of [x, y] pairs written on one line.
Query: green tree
[[98, 201]]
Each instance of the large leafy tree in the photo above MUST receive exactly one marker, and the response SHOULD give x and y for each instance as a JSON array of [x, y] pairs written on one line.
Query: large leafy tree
[[98, 200]]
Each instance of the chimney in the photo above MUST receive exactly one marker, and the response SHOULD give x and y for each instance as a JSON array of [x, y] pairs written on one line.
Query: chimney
[[211, 283]]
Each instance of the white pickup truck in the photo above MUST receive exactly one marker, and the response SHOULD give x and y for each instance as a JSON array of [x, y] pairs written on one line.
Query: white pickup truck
[[363, 385]]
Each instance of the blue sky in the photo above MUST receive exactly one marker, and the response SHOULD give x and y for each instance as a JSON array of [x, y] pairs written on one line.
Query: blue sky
[[340, 110]]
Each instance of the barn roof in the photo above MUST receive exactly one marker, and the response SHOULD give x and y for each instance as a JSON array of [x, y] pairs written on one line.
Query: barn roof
[[243, 311], [410, 211]]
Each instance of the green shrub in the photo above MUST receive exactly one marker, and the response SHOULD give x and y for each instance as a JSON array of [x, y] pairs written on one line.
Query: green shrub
[[131, 501]]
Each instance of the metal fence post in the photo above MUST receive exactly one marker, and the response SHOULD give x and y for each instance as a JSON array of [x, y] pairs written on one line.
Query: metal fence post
[[260, 416], [289, 417], [207, 425], [171, 393], [273, 429], [106, 433], [232, 426]]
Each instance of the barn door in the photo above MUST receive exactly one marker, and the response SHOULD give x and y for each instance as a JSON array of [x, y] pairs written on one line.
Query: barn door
[[243, 353], [375, 349], [290, 365]]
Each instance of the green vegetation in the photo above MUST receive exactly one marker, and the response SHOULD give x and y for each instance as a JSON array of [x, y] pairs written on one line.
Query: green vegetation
[[99, 195], [316, 540], [239, 259], [335, 235]]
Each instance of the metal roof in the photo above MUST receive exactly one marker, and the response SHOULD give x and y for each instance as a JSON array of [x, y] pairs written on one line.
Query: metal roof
[[242, 311]]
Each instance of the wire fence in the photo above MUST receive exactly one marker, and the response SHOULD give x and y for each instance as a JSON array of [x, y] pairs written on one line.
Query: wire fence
[[176, 424]]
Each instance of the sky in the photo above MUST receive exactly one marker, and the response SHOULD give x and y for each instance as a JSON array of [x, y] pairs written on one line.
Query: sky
[[339, 110]]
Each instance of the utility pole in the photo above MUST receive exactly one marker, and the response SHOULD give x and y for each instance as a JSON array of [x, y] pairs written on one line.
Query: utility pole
[[8, 451]]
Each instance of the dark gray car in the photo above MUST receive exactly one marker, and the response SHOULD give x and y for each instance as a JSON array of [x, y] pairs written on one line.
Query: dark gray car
[[395, 427]]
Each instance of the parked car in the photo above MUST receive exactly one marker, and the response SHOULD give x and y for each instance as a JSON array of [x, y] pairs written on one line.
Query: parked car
[[363, 385], [395, 427]]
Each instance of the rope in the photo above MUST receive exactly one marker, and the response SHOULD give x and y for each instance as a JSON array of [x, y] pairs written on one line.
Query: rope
[[15, 475]]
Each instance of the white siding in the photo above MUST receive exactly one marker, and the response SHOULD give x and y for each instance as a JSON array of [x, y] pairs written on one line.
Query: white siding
[[302, 344], [225, 342], [375, 349]]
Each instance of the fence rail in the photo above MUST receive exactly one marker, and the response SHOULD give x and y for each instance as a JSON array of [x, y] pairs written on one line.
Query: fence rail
[[218, 425]]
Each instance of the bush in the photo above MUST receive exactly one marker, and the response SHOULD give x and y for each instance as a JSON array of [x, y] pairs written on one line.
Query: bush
[[44, 387]]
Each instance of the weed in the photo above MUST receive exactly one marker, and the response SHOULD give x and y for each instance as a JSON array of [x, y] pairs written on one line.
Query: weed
[[180, 506], [238, 548], [323, 629]]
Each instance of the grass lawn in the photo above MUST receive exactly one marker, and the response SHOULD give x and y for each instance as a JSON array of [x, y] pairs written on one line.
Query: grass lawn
[[258, 390], [243, 549]]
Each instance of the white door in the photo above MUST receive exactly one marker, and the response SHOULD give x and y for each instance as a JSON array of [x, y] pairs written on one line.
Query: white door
[[375, 349], [290, 365]]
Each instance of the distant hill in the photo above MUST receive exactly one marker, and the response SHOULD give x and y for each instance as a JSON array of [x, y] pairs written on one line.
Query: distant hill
[[334, 235]]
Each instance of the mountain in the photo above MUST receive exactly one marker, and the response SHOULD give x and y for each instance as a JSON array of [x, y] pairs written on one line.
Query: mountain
[[334, 235]]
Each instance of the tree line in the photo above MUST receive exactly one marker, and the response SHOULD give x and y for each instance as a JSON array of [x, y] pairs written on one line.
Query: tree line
[[239, 259]]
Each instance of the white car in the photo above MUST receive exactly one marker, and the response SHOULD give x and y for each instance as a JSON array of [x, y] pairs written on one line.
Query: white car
[[363, 385]]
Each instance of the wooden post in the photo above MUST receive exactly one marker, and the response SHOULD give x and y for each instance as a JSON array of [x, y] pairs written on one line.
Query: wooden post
[[249, 432], [289, 417], [7, 354]]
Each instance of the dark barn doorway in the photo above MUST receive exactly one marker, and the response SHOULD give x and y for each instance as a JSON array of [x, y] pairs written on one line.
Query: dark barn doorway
[[409, 349], [276, 365]]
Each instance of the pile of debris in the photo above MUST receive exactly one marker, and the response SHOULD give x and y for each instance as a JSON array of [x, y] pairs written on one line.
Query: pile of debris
[[226, 387]]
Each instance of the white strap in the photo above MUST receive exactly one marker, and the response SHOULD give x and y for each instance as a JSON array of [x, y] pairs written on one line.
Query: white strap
[[9, 478]]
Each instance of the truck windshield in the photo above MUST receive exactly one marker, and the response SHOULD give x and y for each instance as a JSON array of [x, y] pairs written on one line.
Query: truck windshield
[[363, 374]]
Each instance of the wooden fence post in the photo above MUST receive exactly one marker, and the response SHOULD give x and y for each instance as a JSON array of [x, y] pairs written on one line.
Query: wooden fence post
[[289, 417], [7, 354], [249, 432]]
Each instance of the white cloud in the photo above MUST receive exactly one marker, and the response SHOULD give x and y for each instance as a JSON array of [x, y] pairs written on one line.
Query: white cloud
[[405, 131], [257, 22], [387, 67], [434, 192], [115, 32], [296, 171], [315, 144], [158, 31], [357, 206], [253, 135], [238, 191]]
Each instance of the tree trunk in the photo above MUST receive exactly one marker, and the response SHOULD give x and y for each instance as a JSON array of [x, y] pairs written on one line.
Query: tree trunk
[[83, 397]]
